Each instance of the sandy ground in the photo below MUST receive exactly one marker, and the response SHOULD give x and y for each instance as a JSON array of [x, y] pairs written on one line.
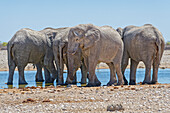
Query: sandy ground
[[127, 99], [165, 62]]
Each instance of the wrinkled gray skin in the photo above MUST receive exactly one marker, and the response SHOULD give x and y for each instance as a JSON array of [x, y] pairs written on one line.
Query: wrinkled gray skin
[[39, 76], [146, 44], [60, 44], [29, 46], [98, 44]]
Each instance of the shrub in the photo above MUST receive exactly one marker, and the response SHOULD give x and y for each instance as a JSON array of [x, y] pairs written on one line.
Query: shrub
[[4, 44], [168, 43]]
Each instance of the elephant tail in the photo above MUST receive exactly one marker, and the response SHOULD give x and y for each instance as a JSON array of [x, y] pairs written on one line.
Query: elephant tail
[[160, 43], [10, 53], [10, 50]]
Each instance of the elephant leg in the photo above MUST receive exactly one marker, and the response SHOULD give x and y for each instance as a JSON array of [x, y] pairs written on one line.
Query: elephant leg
[[60, 80], [93, 80], [39, 77], [21, 74], [155, 72], [124, 64], [48, 78], [133, 67], [12, 67], [54, 72], [75, 79], [113, 78], [119, 74], [147, 79], [84, 74]]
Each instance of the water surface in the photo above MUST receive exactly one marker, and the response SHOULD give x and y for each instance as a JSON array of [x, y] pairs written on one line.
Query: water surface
[[102, 74]]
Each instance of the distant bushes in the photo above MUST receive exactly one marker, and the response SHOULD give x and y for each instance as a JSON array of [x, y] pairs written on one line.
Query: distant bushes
[[3, 45], [167, 43]]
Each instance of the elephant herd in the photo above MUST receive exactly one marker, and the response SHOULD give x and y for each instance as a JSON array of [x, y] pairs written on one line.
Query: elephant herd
[[84, 46]]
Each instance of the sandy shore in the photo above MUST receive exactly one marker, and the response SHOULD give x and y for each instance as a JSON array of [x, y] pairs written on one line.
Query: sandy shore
[[165, 62], [138, 98]]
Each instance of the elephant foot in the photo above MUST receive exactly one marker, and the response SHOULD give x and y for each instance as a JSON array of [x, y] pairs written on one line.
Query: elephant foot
[[74, 82], [132, 82], [112, 83], [67, 82], [39, 80], [9, 83], [154, 82], [120, 82], [146, 82], [93, 84], [23, 82], [83, 81], [60, 83], [49, 81], [125, 82], [97, 82]]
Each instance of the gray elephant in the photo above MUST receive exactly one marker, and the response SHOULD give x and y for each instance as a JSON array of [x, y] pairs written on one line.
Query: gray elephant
[[60, 44], [97, 44], [29, 46], [146, 44]]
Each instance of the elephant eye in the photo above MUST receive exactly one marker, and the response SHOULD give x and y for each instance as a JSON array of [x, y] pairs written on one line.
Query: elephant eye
[[76, 39]]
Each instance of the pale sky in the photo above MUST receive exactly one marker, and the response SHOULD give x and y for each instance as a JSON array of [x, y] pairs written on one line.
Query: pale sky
[[38, 14]]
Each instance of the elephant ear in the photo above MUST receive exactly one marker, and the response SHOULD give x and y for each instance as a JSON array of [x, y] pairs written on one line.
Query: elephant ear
[[120, 31], [91, 38]]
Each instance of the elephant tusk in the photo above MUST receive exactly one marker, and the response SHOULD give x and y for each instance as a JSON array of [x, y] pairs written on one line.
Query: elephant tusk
[[73, 53]]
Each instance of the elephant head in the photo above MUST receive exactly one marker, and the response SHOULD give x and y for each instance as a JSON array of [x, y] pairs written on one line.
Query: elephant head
[[80, 40]]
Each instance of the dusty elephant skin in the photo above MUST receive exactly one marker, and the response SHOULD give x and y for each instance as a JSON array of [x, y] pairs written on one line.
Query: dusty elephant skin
[[60, 44], [146, 44], [98, 44], [29, 46]]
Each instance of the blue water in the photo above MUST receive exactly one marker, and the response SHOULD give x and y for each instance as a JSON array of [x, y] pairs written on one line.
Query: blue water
[[102, 74]]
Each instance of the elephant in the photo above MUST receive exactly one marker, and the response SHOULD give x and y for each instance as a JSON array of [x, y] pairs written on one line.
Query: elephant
[[97, 44], [146, 44], [39, 76], [60, 44], [29, 46]]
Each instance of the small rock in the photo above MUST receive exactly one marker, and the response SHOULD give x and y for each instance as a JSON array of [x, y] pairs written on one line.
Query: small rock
[[92, 98], [115, 87], [81, 92], [37, 89], [133, 88], [154, 86], [51, 99], [4, 91], [127, 88], [28, 100], [9, 93], [51, 91], [46, 100], [111, 89], [141, 88], [1, 94], [22, 92], [104, 87], [117, 107]]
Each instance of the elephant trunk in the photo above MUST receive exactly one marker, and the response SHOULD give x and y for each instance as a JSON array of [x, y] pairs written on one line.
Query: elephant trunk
[[71, 69]]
